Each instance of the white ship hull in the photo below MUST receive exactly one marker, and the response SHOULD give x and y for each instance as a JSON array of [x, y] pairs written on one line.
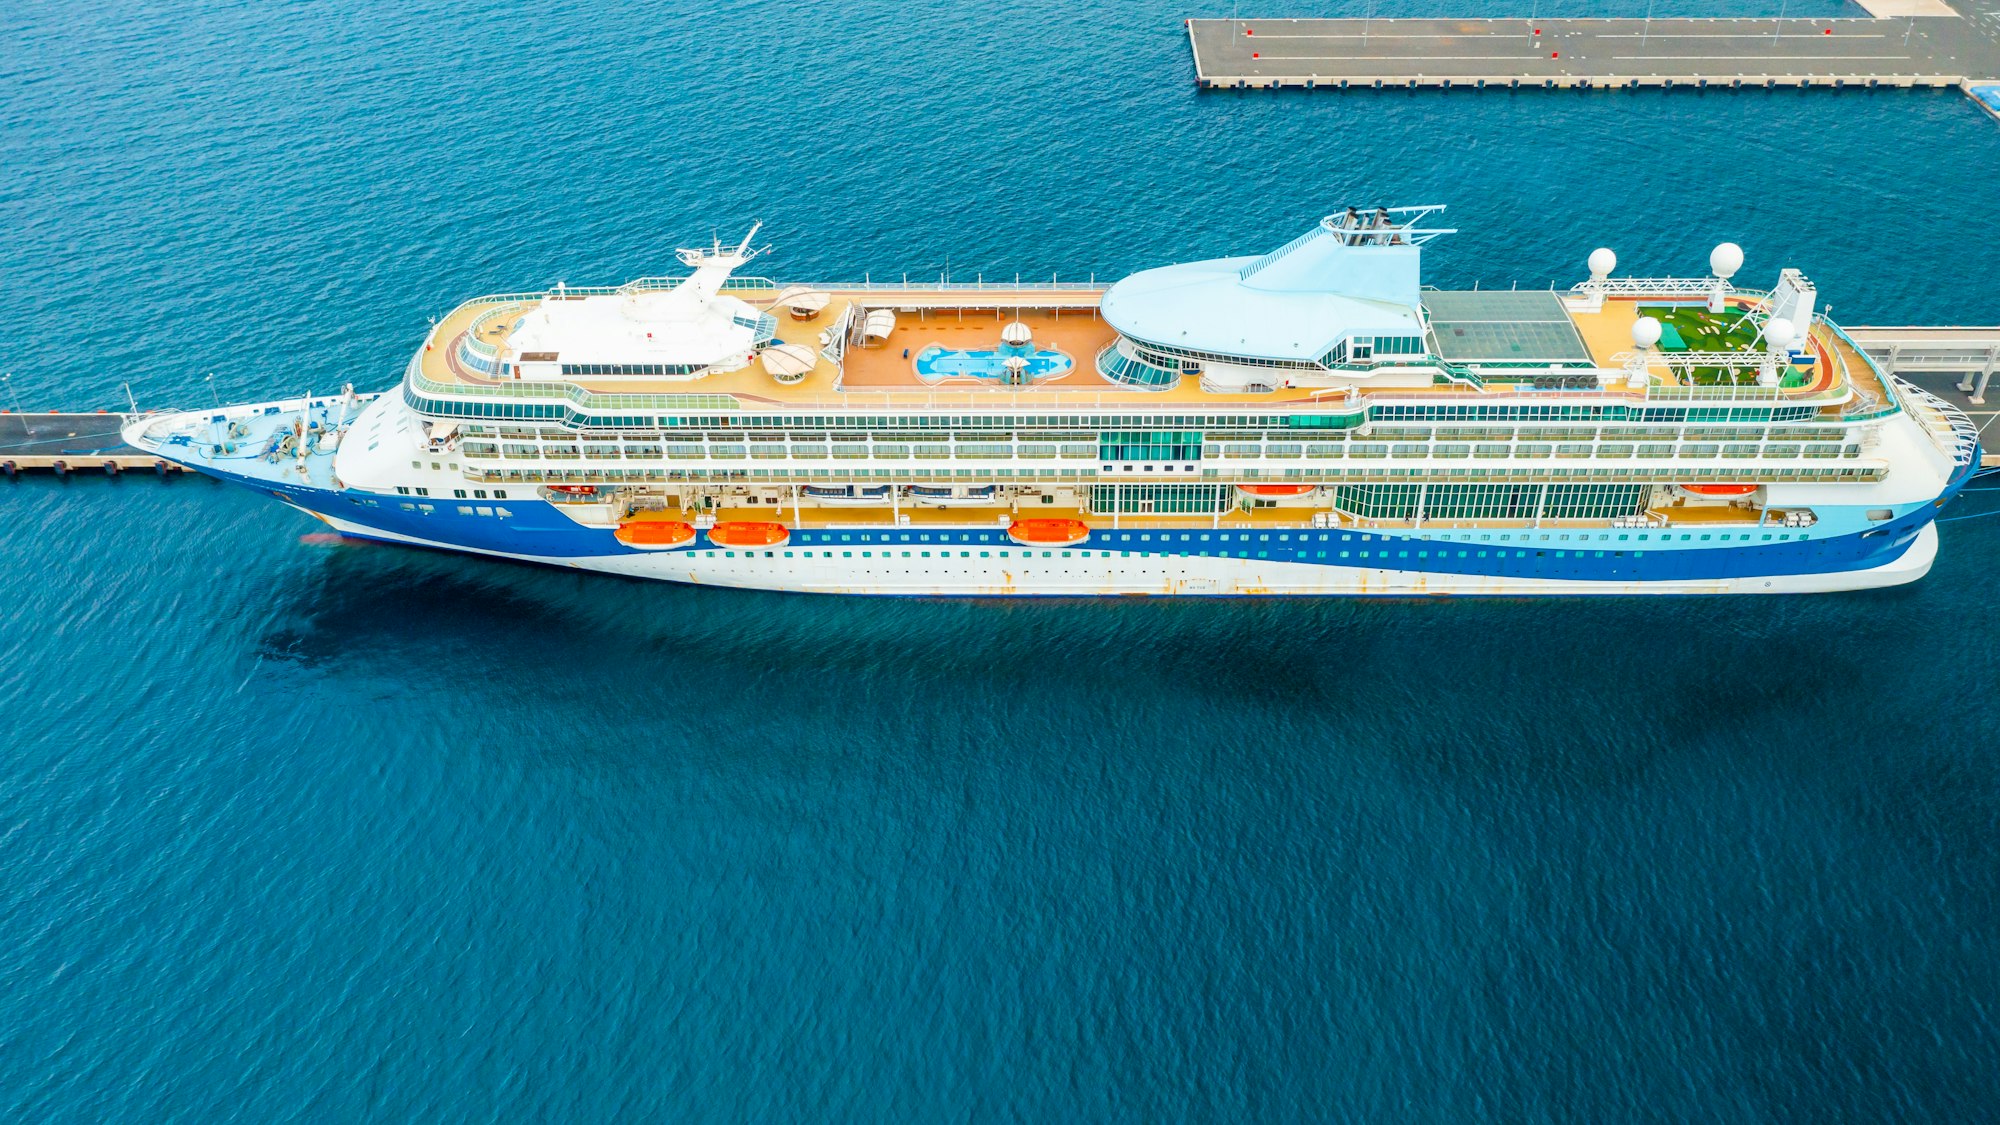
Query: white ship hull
[[1099, 573]]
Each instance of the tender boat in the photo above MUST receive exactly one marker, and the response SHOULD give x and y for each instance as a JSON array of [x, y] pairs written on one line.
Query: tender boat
[[748, 533], [1048, 532], [655, 535]]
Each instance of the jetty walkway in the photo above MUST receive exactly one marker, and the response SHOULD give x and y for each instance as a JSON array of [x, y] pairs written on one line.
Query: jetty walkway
[[64, 443]]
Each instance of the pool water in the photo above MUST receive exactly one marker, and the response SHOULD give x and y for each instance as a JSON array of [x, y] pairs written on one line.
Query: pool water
[[936, 362]]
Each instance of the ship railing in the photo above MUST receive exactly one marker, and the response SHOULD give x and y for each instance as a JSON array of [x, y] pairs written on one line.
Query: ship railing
[[980, 285], [576, 397], [478, 346], [1660, 287], [760, 285], [1869, 406], [1949, 428], [740, 285]]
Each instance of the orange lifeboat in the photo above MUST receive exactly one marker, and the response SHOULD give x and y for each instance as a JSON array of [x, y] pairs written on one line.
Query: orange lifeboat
[[1275, 489], [1720, 489], [1048, 532], [748, 533], [657, 535]]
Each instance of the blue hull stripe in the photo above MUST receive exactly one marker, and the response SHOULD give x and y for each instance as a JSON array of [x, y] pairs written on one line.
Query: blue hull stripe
[[535, 528]]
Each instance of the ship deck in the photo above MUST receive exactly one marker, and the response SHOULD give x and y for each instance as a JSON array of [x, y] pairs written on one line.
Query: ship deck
[[891, 365], [886, 374]]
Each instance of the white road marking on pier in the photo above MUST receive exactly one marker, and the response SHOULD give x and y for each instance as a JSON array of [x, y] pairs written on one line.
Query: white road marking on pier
[[1389, 58], [1774, 60], [1407, 35], [1750, 35]]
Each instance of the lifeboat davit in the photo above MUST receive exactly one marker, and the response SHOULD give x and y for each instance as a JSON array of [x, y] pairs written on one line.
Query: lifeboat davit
[[656, 535], [1048, 532], [748, 533], [1720, 489], [1275, 489]]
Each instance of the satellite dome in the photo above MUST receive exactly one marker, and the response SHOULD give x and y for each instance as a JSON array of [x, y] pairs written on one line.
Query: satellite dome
[[1645, 332], [1602, 262], [1779, 333], [1726, 259]]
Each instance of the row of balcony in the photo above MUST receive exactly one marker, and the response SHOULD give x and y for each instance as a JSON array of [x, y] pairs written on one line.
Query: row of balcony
[[1587, 451]]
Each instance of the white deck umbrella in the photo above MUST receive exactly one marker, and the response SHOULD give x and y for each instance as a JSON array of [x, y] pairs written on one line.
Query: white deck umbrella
[[880, 323], [801, 299], [1016, 333], [787, 362]]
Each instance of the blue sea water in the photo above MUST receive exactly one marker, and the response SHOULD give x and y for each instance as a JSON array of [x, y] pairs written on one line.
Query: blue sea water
[[293, 831]]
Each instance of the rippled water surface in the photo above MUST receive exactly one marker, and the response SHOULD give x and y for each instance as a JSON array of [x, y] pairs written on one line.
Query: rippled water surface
[[299, 831]]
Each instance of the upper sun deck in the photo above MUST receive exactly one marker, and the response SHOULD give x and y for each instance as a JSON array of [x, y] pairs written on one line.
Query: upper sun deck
[[945, 342], [1334, 315]]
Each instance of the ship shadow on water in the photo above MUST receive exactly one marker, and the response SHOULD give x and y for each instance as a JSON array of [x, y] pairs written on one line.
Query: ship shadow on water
[[1648, 669]]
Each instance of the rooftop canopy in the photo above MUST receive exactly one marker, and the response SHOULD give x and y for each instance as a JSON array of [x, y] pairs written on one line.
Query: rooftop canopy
[[1356, 273], [639, 328], [692, 324]]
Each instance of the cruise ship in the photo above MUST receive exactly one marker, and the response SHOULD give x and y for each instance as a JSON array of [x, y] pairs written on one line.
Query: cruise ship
[[1313, 420]]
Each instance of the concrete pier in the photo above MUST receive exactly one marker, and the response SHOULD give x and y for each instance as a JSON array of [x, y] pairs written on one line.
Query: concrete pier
[[1954, 363], [1932, 51], [1973, 354], [66, 443]]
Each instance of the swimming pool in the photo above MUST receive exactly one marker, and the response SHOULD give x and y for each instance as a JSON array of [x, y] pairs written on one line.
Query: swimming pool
[[937, 362]]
